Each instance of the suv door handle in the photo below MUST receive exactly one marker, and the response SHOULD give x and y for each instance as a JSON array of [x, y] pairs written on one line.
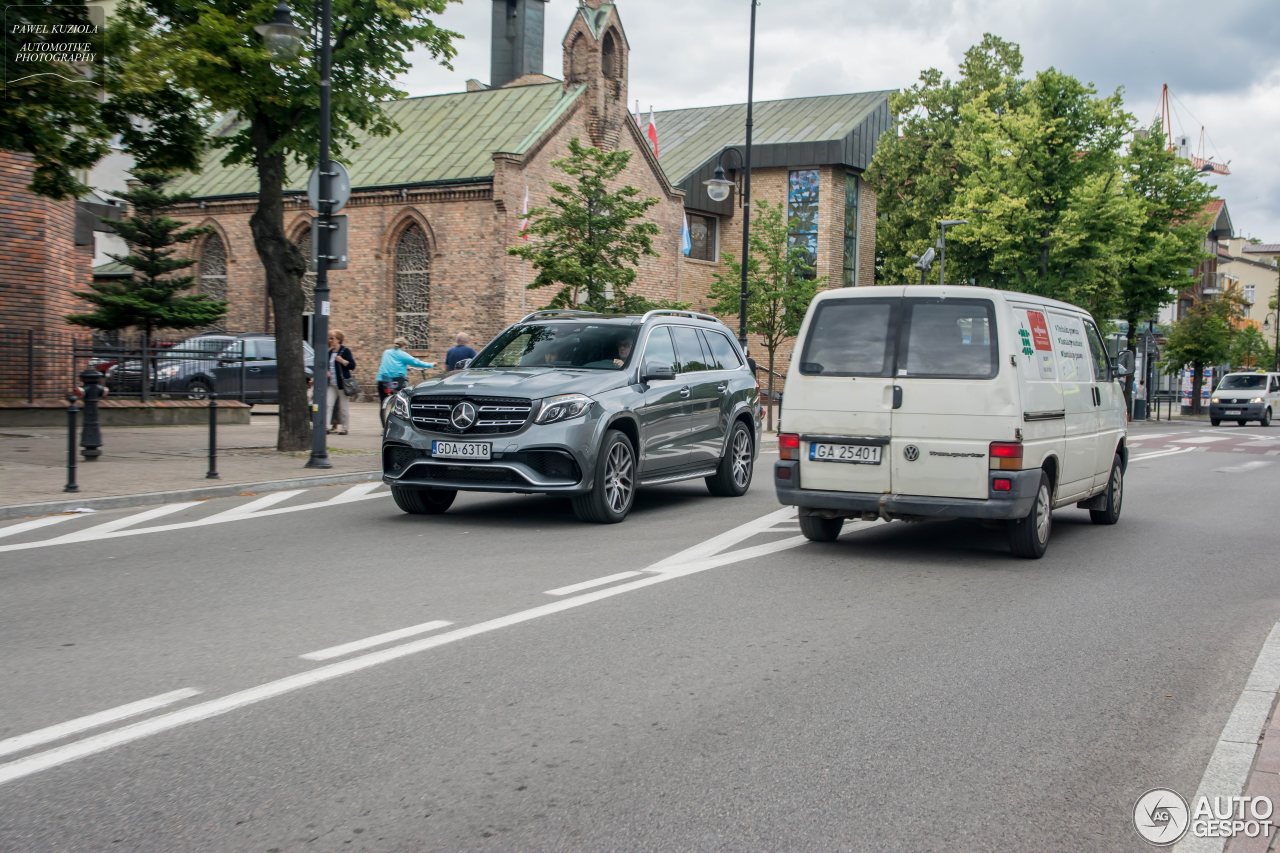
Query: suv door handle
[[684, 392], [720, 389]]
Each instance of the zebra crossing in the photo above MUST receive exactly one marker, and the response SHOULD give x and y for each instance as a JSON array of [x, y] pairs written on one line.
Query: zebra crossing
[[1216, 440]]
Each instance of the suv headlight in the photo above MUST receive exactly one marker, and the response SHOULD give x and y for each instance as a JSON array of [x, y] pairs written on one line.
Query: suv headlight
[[562, 407], [400, 405]]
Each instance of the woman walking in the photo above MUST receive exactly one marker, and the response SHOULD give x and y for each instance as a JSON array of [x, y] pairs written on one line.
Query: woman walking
[[341, 363]]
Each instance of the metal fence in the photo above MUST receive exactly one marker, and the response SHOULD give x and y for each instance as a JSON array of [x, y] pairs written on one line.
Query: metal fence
[[36, 364]]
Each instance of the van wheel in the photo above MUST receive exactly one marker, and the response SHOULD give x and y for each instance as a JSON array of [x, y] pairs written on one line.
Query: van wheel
[[733, 476], [417, 501], [1114, 496], [1214, 421], [1266, 417], [818, 529], [1029, 537], [613, 487]]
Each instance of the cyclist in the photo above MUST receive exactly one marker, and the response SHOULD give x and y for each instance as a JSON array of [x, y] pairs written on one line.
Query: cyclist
[[394, 368]]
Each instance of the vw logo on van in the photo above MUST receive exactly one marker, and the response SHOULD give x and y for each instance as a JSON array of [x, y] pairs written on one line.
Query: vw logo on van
[[463, 416], [911, 452]]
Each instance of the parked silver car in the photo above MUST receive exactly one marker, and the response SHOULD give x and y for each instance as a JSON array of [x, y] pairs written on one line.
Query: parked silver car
[[586, 405]]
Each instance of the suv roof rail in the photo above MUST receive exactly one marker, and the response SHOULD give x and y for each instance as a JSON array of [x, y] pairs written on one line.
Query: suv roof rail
[[678, 312], [548, 313]]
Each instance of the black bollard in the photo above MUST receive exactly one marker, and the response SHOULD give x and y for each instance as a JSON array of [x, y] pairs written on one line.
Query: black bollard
[[71, 445], [213, 436], [91, 431]]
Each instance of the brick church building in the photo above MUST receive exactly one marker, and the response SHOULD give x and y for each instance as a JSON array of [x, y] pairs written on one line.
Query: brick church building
[[435, 205]]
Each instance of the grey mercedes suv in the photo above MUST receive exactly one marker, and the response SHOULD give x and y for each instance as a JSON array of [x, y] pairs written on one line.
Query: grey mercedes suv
[[590, 406]]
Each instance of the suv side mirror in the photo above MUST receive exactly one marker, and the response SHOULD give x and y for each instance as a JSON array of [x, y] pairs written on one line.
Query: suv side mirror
[[1124, 363], [462, 365], [658, 371]]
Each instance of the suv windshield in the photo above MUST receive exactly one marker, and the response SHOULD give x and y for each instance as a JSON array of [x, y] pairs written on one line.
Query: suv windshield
[[1244, 381], [589, 346]]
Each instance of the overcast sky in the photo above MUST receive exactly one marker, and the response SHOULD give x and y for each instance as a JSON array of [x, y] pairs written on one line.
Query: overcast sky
[[1221, 61]]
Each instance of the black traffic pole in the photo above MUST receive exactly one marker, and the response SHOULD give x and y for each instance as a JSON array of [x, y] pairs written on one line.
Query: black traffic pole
[[71, 445], [746, 183], [213, 436], [91, 431], [320, 237]]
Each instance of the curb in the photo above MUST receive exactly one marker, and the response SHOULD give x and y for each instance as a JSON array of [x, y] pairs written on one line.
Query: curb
[[150, 498]]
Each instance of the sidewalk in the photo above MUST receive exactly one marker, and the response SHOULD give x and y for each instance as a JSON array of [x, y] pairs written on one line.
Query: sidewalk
[[162, 464]]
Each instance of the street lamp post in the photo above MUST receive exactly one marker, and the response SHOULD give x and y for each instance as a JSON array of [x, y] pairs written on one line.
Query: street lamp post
[[718, 187], [942, 246], [284, 39]]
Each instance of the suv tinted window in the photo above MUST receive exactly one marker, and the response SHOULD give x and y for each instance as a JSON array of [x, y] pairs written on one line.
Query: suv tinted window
[[951, 338], [265, 348], [689, 349], [850, 337], [659, 351], [723, 355]]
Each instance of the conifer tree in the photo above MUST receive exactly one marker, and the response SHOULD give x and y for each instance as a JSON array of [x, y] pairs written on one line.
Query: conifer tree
[[153, 297]]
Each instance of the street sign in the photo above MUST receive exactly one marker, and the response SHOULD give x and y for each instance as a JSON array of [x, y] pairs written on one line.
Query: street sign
[[337, 242], [339, 187]]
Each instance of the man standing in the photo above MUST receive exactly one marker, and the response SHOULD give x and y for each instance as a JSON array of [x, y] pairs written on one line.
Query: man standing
[[459, 351]]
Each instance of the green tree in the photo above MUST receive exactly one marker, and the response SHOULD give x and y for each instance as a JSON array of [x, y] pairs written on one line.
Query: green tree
[[153, 298], [1250, 350], [592, 237], [209, 50], [50, 112], [1202, 337], [778, 287]]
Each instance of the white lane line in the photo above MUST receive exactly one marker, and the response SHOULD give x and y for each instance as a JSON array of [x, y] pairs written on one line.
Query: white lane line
[[216, 707], [1229, 766], [716, 544], [579, 587], [1202, 439], [376, 640], [1150, 436], [1245, 466], [116, 526], [1158, 453], [35, 524], [251, 507], [355, 492], [72, 727]]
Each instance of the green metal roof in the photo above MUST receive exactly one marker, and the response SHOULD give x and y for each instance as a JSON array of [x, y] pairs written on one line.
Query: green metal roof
[[442, 138], [687, 139], [596, 18]]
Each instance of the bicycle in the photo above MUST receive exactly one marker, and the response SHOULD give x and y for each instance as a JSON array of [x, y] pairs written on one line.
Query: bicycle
[[393, 387]]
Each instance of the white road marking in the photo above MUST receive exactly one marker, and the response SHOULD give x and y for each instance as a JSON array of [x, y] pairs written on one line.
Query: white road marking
[[1244, 466], [579, 587], [716, 544], [116, 526], [1201, 439], [34, 524], [377, 640], [1228, 768], [672, 569], [1150, 436], [1158, 453], [236, 513], [73, 727], [356, 492]]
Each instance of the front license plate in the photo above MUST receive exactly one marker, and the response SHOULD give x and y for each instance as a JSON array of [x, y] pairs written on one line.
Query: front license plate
[[859, 454], [460, 449], [1231, 411]]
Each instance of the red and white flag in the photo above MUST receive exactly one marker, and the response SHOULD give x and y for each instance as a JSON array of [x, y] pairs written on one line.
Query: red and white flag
[[652, 132], [524, 216]]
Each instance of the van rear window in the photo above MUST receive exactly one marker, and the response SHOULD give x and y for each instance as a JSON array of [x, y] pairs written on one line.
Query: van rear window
[[952, 338], [850, 337]]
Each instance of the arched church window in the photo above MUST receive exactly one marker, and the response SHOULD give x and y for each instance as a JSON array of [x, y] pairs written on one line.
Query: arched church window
[[413, 286], [611, 57], [579, 59], [213, 267]]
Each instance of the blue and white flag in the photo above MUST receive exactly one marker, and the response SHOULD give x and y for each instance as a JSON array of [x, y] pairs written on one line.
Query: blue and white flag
[[686, 242]]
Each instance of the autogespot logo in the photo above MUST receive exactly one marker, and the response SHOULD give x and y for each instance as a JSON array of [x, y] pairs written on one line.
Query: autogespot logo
[[1161, 816]]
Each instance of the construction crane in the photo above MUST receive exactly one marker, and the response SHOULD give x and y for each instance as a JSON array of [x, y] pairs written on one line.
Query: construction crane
[[1198, 160]]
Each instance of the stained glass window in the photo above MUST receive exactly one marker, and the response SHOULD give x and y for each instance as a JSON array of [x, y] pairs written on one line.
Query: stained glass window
[[802, 215], [413, 286], [213, 267], [850, 230], [702, 237]]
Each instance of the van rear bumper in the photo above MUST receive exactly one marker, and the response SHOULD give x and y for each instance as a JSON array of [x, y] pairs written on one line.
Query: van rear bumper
[[1013, 504]]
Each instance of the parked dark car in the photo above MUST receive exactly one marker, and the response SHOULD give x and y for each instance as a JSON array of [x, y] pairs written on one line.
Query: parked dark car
[[235, 366], [584, 405]]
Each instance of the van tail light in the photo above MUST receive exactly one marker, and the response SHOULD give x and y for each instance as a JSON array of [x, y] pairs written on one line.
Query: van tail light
[[1006, 455], [1001, 484], [788, 446]]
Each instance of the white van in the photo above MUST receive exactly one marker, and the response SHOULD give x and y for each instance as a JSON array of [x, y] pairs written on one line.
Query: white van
[[1244, 397], [919, 402]]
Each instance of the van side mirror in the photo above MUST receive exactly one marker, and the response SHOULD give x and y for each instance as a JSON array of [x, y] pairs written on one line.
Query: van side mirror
[[1124, 363], [658, 371]]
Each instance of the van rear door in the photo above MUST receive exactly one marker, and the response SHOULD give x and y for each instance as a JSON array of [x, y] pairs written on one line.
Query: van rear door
[[843, 407], [954, 396]]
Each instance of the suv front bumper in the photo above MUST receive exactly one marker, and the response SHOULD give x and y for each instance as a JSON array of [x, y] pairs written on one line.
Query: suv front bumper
[[1013, 504]]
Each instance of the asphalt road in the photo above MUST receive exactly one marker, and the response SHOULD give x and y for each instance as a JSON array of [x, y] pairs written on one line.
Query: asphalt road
[[697, 678]]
